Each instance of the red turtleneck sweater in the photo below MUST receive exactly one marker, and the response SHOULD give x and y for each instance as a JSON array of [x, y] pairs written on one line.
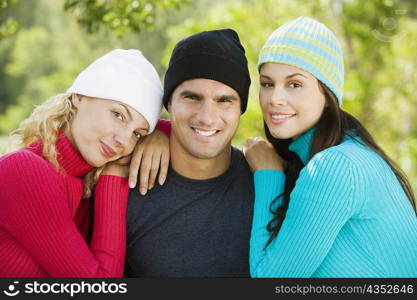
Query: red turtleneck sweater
[[44, 221]]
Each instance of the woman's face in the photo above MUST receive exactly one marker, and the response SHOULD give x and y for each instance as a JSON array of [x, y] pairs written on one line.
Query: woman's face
[[291, 100], [104, 130]]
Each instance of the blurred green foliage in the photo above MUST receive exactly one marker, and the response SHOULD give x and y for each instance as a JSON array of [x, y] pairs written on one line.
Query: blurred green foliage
[[8, 26], [120, 16], [57, 39]]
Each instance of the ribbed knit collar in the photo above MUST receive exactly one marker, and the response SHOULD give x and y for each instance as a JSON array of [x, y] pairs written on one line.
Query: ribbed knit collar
[[68, 157], [301, 146]]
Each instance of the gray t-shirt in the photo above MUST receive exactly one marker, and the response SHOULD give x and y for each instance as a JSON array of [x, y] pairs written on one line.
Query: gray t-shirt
[[192, 228]]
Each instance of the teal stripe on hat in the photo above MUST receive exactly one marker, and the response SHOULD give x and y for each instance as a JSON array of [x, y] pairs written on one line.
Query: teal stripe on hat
[[310, 47], [320, 38], [317, 61], [302, 64]]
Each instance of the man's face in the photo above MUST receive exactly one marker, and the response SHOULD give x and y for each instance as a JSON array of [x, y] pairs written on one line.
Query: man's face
[[205, 115]]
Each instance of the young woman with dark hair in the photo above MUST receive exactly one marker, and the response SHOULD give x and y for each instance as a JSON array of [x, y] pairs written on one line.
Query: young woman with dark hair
[[328, 201]]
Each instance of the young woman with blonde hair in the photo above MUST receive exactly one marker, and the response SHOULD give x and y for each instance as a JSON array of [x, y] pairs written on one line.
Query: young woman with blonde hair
[[75, 144]]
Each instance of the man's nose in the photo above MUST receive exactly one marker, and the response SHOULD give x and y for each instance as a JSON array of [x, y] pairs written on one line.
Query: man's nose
[[207, 113]]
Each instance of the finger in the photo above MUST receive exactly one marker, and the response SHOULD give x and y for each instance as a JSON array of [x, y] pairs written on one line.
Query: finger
[[243, 148], [163, 170], [134, 167], [145, 168], [156, 161], [250, 141]]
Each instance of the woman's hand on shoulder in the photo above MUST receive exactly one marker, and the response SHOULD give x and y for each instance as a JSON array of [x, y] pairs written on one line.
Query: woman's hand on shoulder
[[150, 156], [261, 155]]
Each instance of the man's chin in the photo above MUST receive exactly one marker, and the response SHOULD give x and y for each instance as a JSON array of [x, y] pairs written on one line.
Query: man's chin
[[204, 155], [208, 153]]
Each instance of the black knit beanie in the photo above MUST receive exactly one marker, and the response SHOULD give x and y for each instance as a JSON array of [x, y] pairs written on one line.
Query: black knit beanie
[[216, 55]]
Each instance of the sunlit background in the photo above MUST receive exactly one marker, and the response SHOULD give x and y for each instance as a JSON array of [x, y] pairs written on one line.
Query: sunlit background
[[44, 44]]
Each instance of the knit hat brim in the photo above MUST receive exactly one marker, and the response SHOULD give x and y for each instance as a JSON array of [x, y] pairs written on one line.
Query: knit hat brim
[[125, 76], [309, 45], [214, 54], [208, 66]]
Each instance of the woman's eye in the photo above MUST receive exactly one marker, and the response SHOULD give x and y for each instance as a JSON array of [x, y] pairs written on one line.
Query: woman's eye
[[117, 115], [266, 84], [138, 135], [294, 85]]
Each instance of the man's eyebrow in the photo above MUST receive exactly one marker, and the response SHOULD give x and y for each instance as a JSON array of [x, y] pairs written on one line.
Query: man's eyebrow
[[189, 93]]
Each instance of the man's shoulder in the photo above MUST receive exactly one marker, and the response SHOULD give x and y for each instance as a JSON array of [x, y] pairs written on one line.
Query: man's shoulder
[[239, 160]]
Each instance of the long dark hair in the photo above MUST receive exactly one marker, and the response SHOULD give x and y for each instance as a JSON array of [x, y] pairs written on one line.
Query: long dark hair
[[331, 129]]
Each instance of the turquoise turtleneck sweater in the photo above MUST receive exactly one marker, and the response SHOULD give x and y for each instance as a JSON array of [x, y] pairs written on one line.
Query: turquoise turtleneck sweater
[[348, 217]]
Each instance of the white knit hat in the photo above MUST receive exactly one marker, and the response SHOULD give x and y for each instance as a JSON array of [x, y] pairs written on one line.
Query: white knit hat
[[125, 76]]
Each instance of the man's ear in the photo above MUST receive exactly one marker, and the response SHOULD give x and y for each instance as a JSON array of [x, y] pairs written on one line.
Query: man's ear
[[171, 115]]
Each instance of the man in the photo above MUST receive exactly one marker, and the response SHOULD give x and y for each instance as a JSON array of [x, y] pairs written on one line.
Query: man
[[198, 223]]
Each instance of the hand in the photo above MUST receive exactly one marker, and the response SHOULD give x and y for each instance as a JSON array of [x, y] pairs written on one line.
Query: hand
[[151, 155], [261, 155], [118, 167]]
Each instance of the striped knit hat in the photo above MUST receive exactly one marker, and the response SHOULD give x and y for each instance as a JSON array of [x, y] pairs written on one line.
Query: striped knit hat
[[310, 46]]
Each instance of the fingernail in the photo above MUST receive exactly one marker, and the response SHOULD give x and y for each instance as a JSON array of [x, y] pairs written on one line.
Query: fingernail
[[132, 184], [142, 191], [161, 180]]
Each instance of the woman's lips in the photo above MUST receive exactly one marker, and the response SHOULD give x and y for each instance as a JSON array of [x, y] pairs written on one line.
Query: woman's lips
[[107, 151], [279, 118]]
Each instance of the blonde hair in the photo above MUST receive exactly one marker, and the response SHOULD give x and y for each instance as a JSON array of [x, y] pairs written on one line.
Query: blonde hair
[[44, 123]]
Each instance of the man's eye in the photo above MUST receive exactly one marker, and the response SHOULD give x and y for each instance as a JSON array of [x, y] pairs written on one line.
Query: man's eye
[[225, 99], [191, 97]]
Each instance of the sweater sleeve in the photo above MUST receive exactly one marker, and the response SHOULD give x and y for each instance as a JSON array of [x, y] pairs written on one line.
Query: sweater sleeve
[[164, 126], [37, 215], [323, 199], [268, 185]]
